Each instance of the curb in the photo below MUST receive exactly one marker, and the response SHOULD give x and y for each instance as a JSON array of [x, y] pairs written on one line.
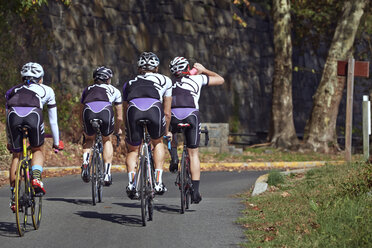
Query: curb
[[247, 165], [261, 184]]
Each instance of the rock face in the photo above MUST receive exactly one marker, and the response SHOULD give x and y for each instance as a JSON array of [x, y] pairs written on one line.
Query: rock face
[[90, 33]]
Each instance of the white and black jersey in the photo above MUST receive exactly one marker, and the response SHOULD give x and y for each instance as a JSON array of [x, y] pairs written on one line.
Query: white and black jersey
[[186, 90], [33, 95], [150, 85], [101, 92]]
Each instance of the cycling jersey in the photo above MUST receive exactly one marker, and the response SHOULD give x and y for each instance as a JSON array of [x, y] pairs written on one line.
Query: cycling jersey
[[186, 91], [22, 100], [101, 92], [149, 85]]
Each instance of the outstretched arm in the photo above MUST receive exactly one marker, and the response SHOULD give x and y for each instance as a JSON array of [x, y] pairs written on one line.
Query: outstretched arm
[[214, 78]]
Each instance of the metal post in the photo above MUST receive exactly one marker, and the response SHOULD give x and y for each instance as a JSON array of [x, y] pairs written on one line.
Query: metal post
[[366, 126], [349, 109]]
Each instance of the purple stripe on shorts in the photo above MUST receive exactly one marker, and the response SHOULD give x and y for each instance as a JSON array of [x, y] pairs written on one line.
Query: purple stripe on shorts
[[23, 111], [98, 105], [144, 103], [182, 113]]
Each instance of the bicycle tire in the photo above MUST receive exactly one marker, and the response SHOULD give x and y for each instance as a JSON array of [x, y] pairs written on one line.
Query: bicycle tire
[[21, 189], [151, 192], [100, 171], [183, 182], [94, 178], [142, 189], [189, 184]]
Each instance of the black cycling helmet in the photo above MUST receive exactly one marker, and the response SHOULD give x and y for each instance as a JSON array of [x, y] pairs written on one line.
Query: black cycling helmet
[[102, 73], [148, 61]]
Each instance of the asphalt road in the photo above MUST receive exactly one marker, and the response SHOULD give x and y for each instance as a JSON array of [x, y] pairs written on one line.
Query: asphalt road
[[69, 219]]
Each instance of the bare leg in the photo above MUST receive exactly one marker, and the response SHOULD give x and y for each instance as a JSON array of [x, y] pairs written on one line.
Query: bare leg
[[13, 168], [159, 153], [194, 163]]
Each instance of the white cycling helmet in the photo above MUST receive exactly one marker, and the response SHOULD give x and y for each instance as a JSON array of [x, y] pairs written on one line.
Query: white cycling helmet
[[179, 66], [148, 61], [102, 73], [32, 72]]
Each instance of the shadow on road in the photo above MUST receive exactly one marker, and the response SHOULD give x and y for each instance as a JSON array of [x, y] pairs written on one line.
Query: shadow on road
[[74, 201], [128, 220], [169, 209], [9, 229]]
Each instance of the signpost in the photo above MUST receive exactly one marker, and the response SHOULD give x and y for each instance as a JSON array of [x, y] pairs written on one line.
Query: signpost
[[350, 69]]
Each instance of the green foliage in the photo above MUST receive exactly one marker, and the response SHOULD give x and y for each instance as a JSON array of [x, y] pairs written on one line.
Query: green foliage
[[275, 178]]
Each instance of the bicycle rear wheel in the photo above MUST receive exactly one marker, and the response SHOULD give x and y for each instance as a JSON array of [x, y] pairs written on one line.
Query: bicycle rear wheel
[[150, 191], [183, 182], [142, 188], [22, 187], [94, 178], [188, 183], [100, 174]]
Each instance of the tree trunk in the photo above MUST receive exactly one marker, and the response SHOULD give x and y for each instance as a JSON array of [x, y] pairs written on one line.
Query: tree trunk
[[282, 131], [320, 131]]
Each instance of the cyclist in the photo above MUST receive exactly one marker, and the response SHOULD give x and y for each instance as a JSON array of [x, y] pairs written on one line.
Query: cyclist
[[24, 106], [147, 96], [185, 108], [97, 100]]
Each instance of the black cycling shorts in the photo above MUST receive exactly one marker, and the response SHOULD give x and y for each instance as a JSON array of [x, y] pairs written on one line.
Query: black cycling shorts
[[25, 116], [193, 132], [153, 112], [102, 111]]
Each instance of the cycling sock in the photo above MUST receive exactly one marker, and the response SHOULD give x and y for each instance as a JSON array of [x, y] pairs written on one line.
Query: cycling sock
[[36, 171], [85, 157], [108, 168], [195, 185], [158, 175], [131, 176]]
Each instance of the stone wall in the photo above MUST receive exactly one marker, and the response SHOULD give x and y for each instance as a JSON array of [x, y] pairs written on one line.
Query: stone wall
[[90, 33]]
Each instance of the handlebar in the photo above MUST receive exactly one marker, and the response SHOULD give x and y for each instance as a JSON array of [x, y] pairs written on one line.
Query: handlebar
[[118, 139], [205, 131], [167, 138]]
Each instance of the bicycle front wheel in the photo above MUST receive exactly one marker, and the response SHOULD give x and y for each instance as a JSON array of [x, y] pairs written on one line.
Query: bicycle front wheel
[[142, 189], [94, 178], [22, 186]]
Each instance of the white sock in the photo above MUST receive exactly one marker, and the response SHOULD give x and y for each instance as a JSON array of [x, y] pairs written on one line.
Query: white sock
[[131, 176], [108, 168], [86, 157], [158, 175]]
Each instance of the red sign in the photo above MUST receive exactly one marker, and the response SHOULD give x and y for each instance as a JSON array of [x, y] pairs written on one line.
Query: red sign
[[361, 68]]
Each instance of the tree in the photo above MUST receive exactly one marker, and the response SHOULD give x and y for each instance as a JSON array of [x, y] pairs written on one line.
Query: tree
[[282, 130], [320, 131]]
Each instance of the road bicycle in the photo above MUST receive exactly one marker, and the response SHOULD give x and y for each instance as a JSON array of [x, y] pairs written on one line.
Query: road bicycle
[[96, 163], [24, 195], [145, 178], [183, 179]]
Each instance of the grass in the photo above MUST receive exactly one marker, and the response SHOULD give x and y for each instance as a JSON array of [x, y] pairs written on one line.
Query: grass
[[326, 207], [267, 154]]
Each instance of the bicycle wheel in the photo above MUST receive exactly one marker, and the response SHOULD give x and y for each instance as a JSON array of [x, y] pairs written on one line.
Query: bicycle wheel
[[150, 191], [100, 174], [142, 189], [94, 178], [22, 187], [188, 184], [36, 209], [183, 182]]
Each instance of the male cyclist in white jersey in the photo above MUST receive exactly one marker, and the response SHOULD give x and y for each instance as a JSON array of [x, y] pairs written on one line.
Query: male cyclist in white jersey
[[147, 96], [185, 108], [24, 107], [97, 100]]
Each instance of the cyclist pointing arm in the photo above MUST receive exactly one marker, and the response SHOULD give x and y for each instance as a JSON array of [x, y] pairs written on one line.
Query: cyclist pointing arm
[[185, 109]]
